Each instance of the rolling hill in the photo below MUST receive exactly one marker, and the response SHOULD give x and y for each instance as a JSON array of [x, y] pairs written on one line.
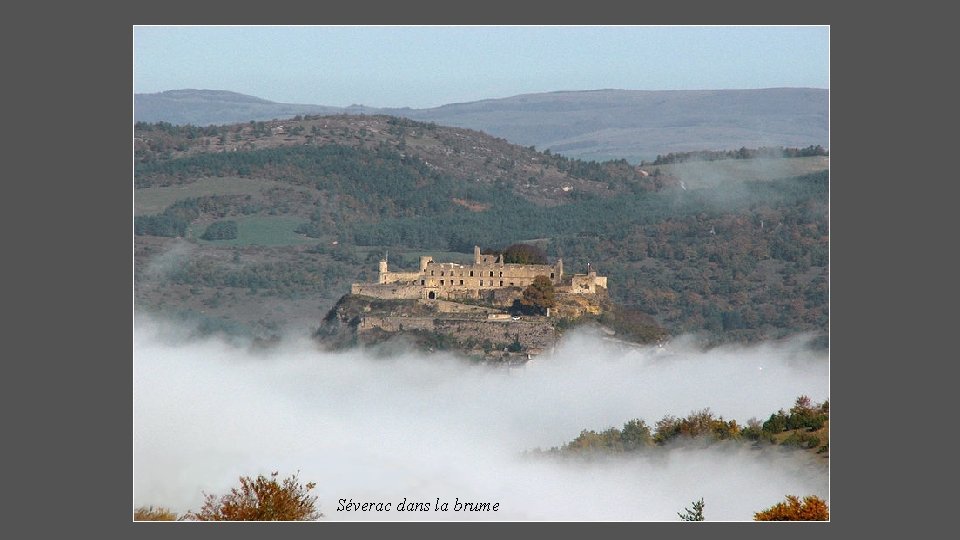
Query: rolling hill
[[205, 107], [636, 125], [739, 254], [597, 125]]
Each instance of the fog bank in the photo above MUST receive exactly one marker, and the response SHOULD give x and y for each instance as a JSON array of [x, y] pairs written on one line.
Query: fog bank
[[427, 426]]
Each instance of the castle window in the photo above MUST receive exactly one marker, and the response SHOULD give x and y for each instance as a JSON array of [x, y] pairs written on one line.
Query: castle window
[[441, 282], [481, 283], [501, 283], [461, 282], [491, 274], [551, 275], [501, 274], [431, 272], [423, 282], [471, 273], [511, 284], [441, 272]]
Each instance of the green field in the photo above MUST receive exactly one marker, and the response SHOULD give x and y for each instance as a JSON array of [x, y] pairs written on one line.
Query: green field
[[702, 174], [259, 231], [153, 200]]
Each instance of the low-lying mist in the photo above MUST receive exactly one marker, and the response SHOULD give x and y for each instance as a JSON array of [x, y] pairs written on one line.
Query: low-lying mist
[[372, 428]]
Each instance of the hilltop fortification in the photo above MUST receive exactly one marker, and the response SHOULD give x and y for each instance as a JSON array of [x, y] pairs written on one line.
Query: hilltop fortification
[[477, 308], [457, 282]]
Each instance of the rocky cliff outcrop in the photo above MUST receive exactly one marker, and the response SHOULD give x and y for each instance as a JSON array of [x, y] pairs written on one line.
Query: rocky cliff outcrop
[[483, 331]]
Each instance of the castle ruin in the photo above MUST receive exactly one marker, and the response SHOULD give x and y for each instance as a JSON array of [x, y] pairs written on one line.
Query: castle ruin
[[488, 274]]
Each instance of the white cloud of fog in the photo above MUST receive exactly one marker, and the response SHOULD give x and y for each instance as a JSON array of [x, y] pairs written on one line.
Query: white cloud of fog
[[422, 427], [178, 252]]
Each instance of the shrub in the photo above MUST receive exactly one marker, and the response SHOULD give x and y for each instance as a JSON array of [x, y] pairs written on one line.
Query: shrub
[[802, 439], [693, 515], [667, 428], [149, 513], [591, 441], [635, 434], [261, 499], [220, 230], [524, 254], [815, 423], [777, 423], [806, 414], [753, 430], [812, 508]]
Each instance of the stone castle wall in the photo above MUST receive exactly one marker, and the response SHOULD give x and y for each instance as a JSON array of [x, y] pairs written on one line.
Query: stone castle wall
[[477, 281], [392, 291], [586, 283], [398, 277], [534, 335]]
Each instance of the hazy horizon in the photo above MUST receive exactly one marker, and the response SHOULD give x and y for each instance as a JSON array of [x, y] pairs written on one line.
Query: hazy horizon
[[430, 66], [493, 98]]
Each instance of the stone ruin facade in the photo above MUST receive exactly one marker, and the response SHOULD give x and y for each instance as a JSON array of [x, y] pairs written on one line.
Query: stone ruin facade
[[488, 274]]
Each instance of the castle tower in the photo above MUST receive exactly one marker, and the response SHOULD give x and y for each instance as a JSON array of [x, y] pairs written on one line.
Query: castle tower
[[383, 271], [476, 254], [424, 261], [559, 270]]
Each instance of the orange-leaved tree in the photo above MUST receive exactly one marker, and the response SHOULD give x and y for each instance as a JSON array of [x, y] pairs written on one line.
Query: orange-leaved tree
[[812, 508], [261, 499], [149, 513]]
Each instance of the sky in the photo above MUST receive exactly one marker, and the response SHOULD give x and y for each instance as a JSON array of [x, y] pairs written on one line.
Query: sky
[[428, 66]]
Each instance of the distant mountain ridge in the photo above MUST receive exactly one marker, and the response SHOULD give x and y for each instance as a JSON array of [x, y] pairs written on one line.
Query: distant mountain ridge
[[205, 107], [590, 124]]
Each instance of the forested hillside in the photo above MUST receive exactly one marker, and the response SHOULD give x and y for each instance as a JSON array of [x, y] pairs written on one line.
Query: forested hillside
[[805, 426], [254, 226]]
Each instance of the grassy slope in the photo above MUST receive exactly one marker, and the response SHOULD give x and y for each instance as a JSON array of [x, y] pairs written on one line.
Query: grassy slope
[[154, 199], [260, 231]]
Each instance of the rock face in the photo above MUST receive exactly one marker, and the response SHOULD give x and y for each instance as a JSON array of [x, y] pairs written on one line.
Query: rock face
[[491, 330], [481, 331]]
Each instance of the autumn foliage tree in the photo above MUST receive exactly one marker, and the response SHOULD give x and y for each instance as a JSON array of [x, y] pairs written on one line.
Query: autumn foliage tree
[[700, 423], [261, 499], [539, 295], [804, 415], [811, 508], [149, 513]]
